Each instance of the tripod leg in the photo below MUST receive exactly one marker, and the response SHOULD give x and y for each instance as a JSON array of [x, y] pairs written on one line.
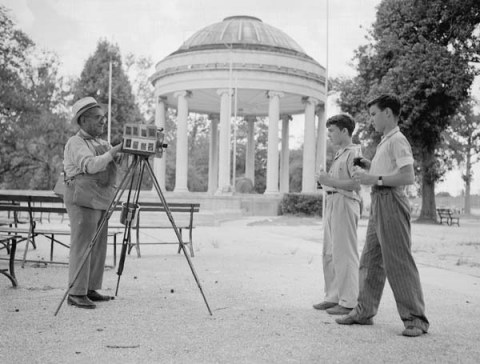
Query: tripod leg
[[103, 221], [175, 228], [125, 243], [127, 236]]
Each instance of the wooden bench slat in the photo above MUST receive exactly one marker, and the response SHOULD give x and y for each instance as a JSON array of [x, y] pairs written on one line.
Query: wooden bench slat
[[42, 231], [33, 209]]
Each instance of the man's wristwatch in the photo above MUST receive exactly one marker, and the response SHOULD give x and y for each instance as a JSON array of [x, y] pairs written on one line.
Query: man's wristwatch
[[380, 181]]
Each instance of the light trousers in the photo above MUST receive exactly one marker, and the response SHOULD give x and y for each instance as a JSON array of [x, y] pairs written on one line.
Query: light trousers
[[340, 250], [83, 225]]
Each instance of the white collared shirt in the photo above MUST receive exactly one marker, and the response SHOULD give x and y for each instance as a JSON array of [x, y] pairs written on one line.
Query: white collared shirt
[[342, 168], [393, 152]]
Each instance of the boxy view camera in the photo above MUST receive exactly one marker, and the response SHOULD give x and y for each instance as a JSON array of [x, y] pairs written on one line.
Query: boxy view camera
[[143, 139]]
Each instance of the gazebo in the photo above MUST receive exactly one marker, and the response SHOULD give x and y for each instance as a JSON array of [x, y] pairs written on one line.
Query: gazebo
[[273, 77]]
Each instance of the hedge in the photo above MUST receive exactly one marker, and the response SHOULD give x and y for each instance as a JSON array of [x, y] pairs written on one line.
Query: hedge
[[301, 204]]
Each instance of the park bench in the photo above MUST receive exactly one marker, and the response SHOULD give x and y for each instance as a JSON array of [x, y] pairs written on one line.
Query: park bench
[[14, 206], [449, 215], [152, 215]]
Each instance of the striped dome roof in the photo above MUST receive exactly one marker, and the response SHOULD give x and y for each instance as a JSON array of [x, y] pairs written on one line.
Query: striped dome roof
[[239, 32]]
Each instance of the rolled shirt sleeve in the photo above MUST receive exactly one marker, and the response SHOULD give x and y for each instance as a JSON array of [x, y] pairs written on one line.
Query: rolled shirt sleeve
[[402, 152], [393, 153], [79, 158]]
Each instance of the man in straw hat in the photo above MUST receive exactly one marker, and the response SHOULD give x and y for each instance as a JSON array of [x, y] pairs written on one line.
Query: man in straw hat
[[90, 174]]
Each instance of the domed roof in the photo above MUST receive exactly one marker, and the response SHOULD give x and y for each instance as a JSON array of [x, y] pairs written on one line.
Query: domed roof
[[242, 32]]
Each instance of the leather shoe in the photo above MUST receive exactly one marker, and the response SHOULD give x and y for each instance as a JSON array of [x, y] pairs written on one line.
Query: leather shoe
[[97, 297], [412, 331], [339, 310], [324, 305], [80, 301], [350, 320]]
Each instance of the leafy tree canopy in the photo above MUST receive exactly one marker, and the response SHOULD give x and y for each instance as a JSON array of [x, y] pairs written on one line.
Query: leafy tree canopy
[[33, 127], [421, 51], [94, 81]]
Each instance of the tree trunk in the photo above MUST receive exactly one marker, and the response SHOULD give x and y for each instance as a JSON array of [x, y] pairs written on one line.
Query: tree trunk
[[468, 178], [429, 209], [428, 213]]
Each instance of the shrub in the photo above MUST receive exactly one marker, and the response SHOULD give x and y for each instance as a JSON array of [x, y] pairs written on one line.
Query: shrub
[[301, 204]]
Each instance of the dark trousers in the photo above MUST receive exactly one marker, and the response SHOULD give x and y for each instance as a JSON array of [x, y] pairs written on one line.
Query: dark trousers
[[387, 255]]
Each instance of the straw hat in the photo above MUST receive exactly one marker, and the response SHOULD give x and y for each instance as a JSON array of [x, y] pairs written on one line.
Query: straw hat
[[83, 105]]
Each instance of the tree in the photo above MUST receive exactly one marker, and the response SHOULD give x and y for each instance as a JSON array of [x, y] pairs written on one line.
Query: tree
[[296, 170], [260, 138], [198, 145], [32, 119], [462, 138], [139, 69], [94, 81], [422, 52]]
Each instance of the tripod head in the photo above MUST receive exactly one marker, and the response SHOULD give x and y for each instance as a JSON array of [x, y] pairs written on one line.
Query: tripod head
[[143, 140]]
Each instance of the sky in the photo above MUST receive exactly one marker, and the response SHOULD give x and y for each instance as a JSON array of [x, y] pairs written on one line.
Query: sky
[[156, 28]]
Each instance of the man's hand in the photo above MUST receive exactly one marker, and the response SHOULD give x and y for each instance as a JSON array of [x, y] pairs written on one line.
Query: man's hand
[[116, 149], [323, 177], [362, 177]]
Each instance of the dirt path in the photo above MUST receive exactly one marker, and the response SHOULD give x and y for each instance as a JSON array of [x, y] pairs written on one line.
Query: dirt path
[[260, 277]]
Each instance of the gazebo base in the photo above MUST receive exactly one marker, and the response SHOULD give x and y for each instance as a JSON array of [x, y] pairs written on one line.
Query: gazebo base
[[222, 206]]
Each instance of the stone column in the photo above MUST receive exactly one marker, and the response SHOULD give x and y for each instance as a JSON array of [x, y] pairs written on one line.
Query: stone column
[[250, 152], [285, 155], [321, 138], [181, 167], [159, 163], [213, 155], [272, 155], [224, 183], [309, 153]]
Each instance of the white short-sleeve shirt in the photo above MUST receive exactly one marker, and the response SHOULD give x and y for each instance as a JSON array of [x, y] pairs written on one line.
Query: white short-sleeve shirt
[[393, 153]]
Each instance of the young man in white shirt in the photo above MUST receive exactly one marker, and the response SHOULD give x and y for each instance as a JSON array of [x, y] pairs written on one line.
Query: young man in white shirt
[[387, 252], [340, 221]]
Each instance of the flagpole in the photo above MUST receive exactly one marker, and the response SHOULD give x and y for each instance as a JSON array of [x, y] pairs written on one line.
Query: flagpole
[[235, 134], [324, 141], [326, 89], [109, 125]]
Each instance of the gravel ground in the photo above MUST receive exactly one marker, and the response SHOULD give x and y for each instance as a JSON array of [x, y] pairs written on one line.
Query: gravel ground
[[260, 277]]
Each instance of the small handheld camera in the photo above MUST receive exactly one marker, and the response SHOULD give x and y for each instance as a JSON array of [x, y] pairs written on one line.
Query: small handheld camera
[[357, 162], [143, 139]]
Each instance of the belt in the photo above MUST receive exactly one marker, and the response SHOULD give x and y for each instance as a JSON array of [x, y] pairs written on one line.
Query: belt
[[376, 188], [331, 192]]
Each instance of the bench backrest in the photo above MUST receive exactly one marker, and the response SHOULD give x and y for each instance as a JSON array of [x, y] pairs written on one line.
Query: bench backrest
[[448, 212], [33, 209], [144, 206], [173, 207], [444, 211], [30, 198]]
